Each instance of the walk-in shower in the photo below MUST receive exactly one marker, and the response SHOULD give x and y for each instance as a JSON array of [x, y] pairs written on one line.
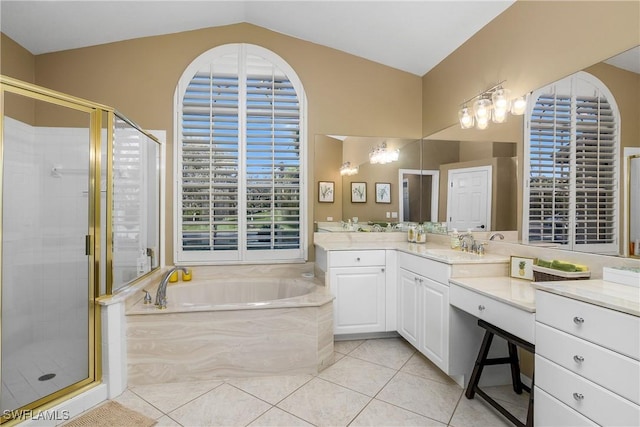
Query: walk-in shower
[[63, 162]]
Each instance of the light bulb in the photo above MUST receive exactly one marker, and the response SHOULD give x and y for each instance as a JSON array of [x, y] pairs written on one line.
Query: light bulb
[[499, 115], [518, 105], [465, 117], [500, 99], [482, 109], [482, 123]]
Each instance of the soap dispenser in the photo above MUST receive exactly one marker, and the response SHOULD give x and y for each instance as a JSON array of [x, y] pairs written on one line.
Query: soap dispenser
[[455, 239]]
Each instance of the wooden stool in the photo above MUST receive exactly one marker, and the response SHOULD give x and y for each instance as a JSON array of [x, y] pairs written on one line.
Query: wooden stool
[[482, 361]]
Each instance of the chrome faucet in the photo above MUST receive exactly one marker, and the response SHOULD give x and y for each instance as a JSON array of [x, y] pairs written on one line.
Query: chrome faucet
[[494, 235], [467, 243], [161, 294]]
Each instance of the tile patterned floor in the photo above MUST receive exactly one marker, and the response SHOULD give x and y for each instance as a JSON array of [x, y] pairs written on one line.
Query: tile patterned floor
[[377, 382]]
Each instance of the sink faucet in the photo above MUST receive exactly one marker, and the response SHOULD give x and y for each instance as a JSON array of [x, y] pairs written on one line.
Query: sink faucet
[[161, 294], [494, 235], [467, 243]]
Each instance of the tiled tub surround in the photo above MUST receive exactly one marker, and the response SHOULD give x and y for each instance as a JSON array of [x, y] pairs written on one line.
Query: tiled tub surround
[[199, 339]]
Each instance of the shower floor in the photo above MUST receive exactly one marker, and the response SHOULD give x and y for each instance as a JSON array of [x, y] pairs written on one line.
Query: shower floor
[[21, 370]]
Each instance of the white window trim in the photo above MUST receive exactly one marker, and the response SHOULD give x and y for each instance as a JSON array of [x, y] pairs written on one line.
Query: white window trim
[[611, 248], [241, 256]]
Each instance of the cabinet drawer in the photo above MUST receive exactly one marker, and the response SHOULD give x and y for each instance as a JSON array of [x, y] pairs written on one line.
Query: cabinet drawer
[[616, 331], [549, 411], [434, 270], [356, 258], [591, 400], [519, 322], [611, 370]]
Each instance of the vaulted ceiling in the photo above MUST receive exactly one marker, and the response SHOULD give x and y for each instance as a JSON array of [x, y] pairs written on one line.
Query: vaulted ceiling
[[413, 36]]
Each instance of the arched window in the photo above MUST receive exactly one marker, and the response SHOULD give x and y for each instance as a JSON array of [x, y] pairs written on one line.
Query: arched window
[[572, 141], [239, 159]]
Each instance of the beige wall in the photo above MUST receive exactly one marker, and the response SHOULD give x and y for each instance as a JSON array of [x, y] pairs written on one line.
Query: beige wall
[[530, 44], [138, 77]]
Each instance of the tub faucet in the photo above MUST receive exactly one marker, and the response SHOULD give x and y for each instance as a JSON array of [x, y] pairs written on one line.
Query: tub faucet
[[498, 235], [161, 294]]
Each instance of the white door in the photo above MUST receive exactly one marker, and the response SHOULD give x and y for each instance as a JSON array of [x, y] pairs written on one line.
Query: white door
[[435, 322], [359, 306], [408, 286], [469, 199]]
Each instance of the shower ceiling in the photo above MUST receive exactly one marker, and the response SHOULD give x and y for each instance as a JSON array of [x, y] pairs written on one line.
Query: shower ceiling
[[412, 36]]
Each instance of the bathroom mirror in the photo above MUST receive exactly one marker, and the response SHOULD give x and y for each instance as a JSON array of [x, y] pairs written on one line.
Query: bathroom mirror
[[625, 86], [421, 166]]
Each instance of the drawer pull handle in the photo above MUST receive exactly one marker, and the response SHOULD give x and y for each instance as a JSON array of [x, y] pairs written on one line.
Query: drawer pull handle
[[578, 359], [578, 320], [578, 396], [358, 259], [481, 307]]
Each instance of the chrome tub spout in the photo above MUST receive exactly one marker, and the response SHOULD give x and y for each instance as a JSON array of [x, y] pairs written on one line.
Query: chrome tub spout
[[161, 294]]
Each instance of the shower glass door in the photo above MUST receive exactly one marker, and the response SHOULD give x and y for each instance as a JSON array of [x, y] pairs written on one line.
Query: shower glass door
[[48, 206]]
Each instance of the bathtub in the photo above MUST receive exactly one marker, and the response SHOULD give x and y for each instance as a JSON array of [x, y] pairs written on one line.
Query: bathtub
[[228, 325]]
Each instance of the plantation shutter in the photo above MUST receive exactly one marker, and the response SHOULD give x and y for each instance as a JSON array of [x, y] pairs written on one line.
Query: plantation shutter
[[595, 177], [240, 162], [210, 160], [572, 160], [272, 158]]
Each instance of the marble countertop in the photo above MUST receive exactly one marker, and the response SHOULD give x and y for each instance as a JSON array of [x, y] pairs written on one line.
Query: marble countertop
[[611, 295], [434, 251], [516, 292]]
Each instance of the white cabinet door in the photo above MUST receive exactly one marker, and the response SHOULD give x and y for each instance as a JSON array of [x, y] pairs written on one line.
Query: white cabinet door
[[408, 286], [434, 341], [359, 306]]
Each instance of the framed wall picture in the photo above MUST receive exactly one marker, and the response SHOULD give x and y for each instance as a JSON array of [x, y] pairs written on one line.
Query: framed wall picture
[[326, 191], [383, 192], [521, 268], [358, 192]]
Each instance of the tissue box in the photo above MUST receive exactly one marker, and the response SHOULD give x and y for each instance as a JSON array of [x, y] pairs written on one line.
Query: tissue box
[[621, 275]]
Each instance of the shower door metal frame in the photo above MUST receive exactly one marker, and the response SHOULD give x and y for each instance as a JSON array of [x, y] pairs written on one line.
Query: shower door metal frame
[[96, 113]]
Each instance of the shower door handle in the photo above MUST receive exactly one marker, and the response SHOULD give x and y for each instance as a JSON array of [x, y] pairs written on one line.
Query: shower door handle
[[88, 244]]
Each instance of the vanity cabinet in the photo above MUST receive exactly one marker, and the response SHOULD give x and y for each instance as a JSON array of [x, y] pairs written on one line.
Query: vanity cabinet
[[423, 307], [357, 279], [587, 362]]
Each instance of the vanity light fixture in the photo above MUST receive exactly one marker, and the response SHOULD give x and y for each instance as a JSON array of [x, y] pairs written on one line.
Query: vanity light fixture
[[381, 155], [347, 169], [493, 104]]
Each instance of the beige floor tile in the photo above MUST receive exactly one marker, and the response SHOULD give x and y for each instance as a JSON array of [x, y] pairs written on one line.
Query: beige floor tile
[[389, 352], [346, 347], [427, 397], [505, 393], [271, 389], [135, 402], [170, 396], [324, 404], [423, 367], [167, 421], [222, 406], [277, 417], [378, 413], [359, 375], [477, 413]]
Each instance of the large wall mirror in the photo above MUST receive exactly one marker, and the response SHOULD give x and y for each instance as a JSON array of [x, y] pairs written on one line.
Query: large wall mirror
[[417, 190], [621, 74]]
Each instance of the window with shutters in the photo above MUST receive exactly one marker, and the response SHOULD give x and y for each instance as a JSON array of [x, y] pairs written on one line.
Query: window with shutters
[[571, 166], [239, 157]]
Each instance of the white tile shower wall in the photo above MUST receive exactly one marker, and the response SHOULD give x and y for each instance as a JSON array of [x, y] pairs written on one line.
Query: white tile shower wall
[[44, 267]]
